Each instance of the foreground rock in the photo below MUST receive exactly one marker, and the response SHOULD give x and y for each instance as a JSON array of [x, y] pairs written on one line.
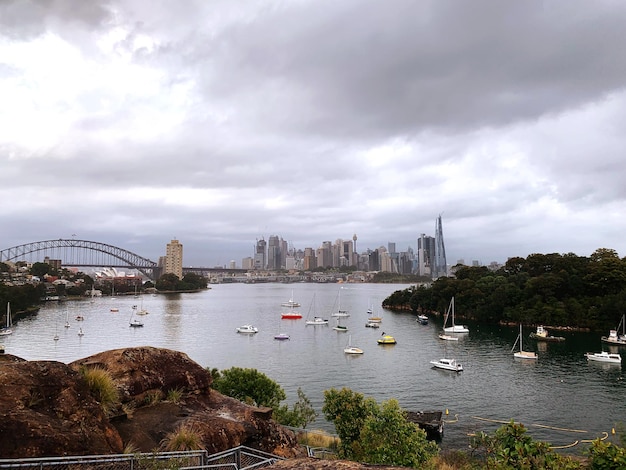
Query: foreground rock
[[48, 410]]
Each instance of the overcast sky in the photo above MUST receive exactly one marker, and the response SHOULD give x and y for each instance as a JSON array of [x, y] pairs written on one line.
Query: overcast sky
[[218, 122]]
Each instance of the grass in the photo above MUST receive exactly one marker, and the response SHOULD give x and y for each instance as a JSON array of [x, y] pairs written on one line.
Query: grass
[[102, 386], [187, 436], [175, 395]]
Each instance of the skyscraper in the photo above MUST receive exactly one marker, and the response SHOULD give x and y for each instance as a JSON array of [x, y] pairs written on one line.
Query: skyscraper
[[441, 265], [174, 259]]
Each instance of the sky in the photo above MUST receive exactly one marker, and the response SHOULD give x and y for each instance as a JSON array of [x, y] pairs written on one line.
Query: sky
[[220, 122]]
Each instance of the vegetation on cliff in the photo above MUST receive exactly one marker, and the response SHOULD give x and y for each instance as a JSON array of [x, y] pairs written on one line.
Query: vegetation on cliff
[[255, 388], [551, 289]]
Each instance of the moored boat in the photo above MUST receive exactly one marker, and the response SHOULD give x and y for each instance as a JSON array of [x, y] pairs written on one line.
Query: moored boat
[[447, 364], [291, 315], [453, 328], [281, 336], [446, 337], [423, 319], [317, 321], [249, 329], [604, 356], [541, 334], [614, 336], [386, 339]]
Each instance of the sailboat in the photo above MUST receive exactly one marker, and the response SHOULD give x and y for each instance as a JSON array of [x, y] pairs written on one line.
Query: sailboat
[[67, 318], [6, 331], [339, 312], [290, 303], [349, 349], [340, 327], [134, 322], [315, 320], [453, 328], [142, 311], [371, 318], [614, 336], [521, 354]]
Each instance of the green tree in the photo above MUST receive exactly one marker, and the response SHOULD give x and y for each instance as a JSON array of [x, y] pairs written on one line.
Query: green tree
[[387, 438], [167, 282], [511, 448], [250, 386], [300, 415], [347, 410], [40, 269]]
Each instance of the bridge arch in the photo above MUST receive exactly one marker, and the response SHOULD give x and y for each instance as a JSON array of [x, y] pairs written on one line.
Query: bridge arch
[[80, 253]]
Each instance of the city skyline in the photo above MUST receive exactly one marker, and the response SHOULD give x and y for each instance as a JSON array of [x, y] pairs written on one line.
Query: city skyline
[[136, 122]]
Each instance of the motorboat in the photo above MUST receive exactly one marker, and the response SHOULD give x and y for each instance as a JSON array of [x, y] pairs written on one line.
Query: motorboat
[[423, 319], [446, 337], [371, 324], [136, 323], [614, 336], [447, 364], [542, 335], [247, 329], [613, 358], [453, 328], [317, 321], [386, 339], [281, 336]]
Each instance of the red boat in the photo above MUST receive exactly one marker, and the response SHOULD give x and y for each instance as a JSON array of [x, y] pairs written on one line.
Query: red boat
[[291, 315]]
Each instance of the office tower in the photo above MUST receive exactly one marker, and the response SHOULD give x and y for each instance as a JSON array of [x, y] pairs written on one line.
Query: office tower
[[174, 259], [441, 266], [259, 254], [309, 259], [425, 255], [273, 253]]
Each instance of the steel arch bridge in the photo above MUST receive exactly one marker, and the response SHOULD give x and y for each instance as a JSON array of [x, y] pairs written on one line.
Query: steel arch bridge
[[82, 253]]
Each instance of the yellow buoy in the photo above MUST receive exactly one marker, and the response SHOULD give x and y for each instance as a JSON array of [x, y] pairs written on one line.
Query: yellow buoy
[[613, 431], [446, 411]]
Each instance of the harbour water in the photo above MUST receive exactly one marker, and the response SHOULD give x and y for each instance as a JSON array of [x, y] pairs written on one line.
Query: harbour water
[[561, 397]]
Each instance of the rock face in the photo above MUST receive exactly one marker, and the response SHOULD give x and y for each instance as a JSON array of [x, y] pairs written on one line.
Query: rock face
[[47, 409]]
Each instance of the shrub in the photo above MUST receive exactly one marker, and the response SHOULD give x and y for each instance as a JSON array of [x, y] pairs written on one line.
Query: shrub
[[175, 395]]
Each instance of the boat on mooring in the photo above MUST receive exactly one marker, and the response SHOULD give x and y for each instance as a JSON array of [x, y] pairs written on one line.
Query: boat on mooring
[[541, 334]]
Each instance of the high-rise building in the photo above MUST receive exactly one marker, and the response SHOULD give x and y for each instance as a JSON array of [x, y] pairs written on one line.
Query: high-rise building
[[425, 255], [273, 253], [174, 259], [441, 265], [259, 254]]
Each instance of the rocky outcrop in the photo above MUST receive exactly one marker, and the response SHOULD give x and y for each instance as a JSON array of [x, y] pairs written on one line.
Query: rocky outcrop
[[47, 409]]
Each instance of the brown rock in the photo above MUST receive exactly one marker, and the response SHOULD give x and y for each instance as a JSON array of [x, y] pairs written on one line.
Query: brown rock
[[46, 408]]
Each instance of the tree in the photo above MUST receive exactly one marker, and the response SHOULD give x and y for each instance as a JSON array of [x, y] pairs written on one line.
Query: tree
[[376, 434], [167, 282], [250, 386], [347, 410], [300, 415], [40, 269], [387, 438]]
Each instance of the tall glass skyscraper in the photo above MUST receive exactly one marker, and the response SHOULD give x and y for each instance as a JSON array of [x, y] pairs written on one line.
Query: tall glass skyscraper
[[441, 265]]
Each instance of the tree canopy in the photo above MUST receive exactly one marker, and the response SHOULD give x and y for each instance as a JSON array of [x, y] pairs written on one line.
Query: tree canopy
[[552, 289]]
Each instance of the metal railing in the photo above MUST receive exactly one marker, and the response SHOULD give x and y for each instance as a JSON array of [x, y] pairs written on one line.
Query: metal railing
[[238, 458]]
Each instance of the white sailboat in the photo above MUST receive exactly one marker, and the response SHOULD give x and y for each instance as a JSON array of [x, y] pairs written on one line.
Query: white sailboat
[[6, 331], [67, 318], [521, 354], [134, 322], [314, 320], [614, 335], [349, 349], [454, 328], [340, 312], [142, 311]]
